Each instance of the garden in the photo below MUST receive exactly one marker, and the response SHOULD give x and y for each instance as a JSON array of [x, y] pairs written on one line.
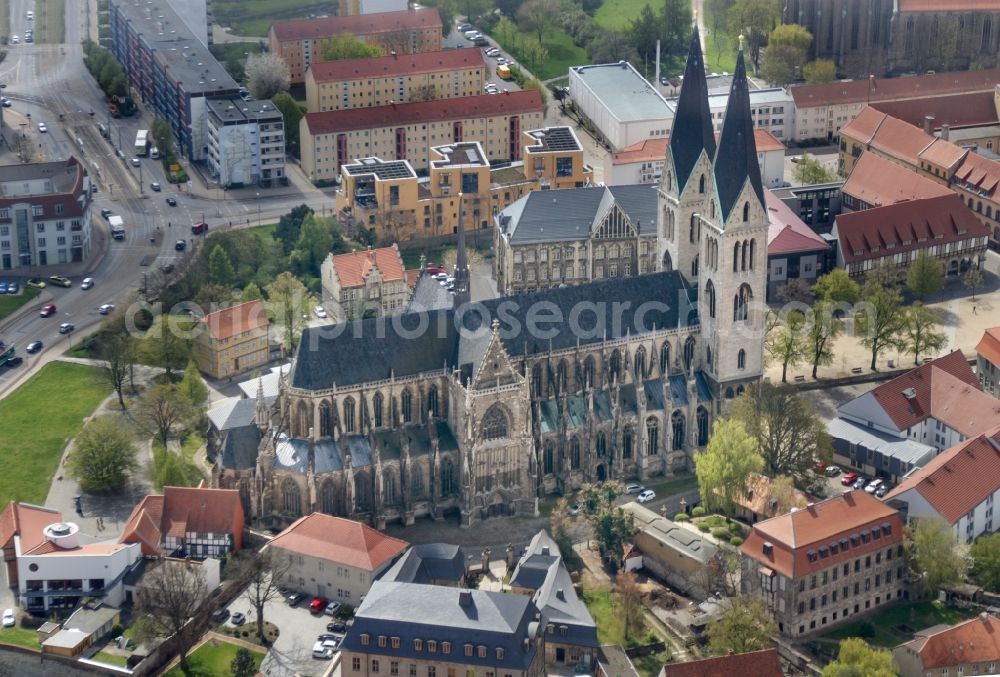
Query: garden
[[722, 529], [896, 624], [211, 659]]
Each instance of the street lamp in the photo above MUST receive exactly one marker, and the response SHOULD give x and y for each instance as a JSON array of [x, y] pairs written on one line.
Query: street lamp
[[258, 208]]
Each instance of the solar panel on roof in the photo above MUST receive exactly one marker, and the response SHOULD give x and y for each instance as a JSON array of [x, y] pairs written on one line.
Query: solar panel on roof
[[472, 155]]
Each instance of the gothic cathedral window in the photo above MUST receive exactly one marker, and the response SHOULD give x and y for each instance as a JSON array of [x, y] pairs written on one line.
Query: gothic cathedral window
[[377, 404], [407, 400], [652, 436], [494, 423]]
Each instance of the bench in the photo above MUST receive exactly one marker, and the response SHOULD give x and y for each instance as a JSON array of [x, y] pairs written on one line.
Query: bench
[[857, 370], [800, 378]]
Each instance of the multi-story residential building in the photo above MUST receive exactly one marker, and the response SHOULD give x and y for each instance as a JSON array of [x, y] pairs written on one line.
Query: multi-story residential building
[[826, 564], [877, 182], [794, 250], [816, 205], [389, 197], [44, 213], [971, 647], [334, 558], [773, 110], [988, 361], [187, 522], [408, 131], [300, 42], [354, 7], [821, 110], [969, 119], [232, 340], [414, 629], [246, 142], [960, 485], [365, 283], [57, 566], [397, 78]]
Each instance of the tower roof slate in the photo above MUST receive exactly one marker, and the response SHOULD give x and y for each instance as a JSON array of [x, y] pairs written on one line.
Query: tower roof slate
[[692, 130], [736, 158]]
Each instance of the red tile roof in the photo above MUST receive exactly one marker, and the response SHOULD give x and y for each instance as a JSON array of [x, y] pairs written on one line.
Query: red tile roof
[[339, 540], [978, 172], [976, 640], [966, 109], [390, 66], [796, 537], [786, 232], [642, 151], [877, 182], [906, 412], [936, 220], [27, 521], [143, 525], [942, 153], [959, 478], [892, 89], [240, 319], [989, 345], [918, 6], [766, 141], [459, 108], [354, 267], [360, 24], [412, 276], [182, 510], [753, 664]]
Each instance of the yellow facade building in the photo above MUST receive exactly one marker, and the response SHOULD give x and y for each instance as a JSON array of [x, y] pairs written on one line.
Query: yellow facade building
[[232, 340]]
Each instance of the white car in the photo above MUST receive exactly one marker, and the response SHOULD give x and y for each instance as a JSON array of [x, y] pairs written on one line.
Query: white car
[[14, 39], [106, 308], [646, 496], [42, 127], [873, 486], [634, 489], [136, 162], [322, 652], [320, 312], [30, 15], [8, 618]]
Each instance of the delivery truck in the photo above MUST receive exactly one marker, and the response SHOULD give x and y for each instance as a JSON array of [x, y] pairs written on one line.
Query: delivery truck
[[117, 227]]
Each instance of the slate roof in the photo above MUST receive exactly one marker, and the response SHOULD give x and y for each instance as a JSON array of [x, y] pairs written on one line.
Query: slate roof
[[350, 355], [239, 450], [492, 619], [692, 131], [542, 551], [736, 158], [340, 540], [903, 449], [428, 563]]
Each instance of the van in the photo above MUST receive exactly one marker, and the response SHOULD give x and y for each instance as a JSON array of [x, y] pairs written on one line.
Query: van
[[503, 72], [154, 153], [199, 228]]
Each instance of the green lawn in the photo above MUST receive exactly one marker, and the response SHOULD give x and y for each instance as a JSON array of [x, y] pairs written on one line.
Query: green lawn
[[210, 661], [602, 605], [21, 637], [619, 13], [51, 22], [562, 53], [39, 418], [915, 615], [110, 658], [720, 54], [254, 17], [4, 20], [264, 232], [673, 485], [8, 303]]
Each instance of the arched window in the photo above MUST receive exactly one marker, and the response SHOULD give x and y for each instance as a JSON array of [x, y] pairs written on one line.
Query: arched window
[[702, 416], [432, 401], [325, 419], [574, 453], [677, 423], [736, 257], [363, 491], [417, 482], [711, 209], [689, 346], [668, 263], [746, 212], [741, 303], [694, 267], [665, 358], [602, 445], [302, 418], [388, 487], [741, 359], [328, 497], [349, 415], [615, 368], [701, 184], [547, 459], [753, 252], [291, 502], [670, 181], [561, 376], [588, 370], [730, 394], [407, 400], [494, 423], [708, 356], [710, 298], [377, 404], [652, 436], [640, 363], [448, 484], [627, 444], [740, 391], [691, 228], [536, 380], [743, 255]]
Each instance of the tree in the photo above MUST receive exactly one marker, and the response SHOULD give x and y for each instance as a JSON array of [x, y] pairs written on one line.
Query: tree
[[925, 276], [162, 347], [166, 599], [251, 292], [822, 332], [936, 556], [289, 226], [790, 435], [267, 75], [986, 561], [745, 626], [220, 268], [786, 53], [538, 17], [723, 468], [796, 290], [784, 495], [785, 343], [291, 114], [346, 46], [810, 171], [267, 570], [162, 409], [857, 659], [163, 136], [973, 280], [612, 526], [675, 26], [881, 320], [103, 453], [630, 599], [314, 243], [644, 31], [918, 335], [819, 72], [193, 387], [560, 527], [213, 295], [716, 12], [117, 349], [754, 19], [243, 663], [291, 305]]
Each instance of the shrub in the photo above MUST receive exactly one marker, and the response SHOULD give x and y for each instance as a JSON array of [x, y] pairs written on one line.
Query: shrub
[[736, 540], [698, 511], [681, 517], [721, 533], [704, 528], [866, 630]]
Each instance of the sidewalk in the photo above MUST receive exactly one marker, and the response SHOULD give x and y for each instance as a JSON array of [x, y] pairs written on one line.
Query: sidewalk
[[204, 186]]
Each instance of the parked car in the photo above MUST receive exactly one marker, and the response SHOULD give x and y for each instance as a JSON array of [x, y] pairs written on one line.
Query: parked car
[[8, 618], [136, 162], [646, 496], [634, 488], [337, 626], [87, 283], [66, 328], [14, 40], [873, 486], [832, 471], [331, 641], [882, 490], [860, 483], [36, 282], [3, 287], [574, 510], [13, 288], [238, 619], [106, 308], [33, 347], [171, 200], [332, 608], [317, 605], [322, 652], [60, 281], [48, 310], [15, 361], [464, 27], [220, 615], [6, 102], [849, 478], [295, 598]]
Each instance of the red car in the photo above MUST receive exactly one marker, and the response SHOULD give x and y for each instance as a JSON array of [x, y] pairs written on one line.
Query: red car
[[849, 478], [48, 310], [317, 605], [199, 228]]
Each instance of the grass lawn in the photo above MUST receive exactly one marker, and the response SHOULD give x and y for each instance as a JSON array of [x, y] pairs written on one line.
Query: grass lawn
[[915, 615], [110, 658], [21, 637], [212, 660], [254, 17], [264, 232], [619, 13], [562, 53], [51, 22], [603, 606], [10, 303], [650, 666], [39, 418], [673, 485], [720, 54], [4, 19]]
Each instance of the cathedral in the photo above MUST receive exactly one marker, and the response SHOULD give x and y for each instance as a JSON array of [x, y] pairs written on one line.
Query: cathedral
[[479, 409]]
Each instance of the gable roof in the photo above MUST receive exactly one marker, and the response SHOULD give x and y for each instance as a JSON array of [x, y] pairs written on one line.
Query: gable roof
[[897, 139], [339, 540], [359, 24], [907, 226], [763, 663], [182, 510], [736, 158], [692, 132], [354, 267], [959, 478], [647, 150], [976, 640], [877, 182], [397, 64], [27, 521], [235, 320], [786, 232], [965, 109], [989, 345], [891, 89], [979, 173]]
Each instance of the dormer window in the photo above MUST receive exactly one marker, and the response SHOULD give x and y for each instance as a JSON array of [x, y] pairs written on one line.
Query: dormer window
[[365, 639], [468, 649], [482, 651], [499, 653], [432, 646], [418, 644], [395, 642]]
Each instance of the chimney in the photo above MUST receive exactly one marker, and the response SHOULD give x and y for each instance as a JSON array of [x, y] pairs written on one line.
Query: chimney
[[465, 598], [945, 131], [928, 124]]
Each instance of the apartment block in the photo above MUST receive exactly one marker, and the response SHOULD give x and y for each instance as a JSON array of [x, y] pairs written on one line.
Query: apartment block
[[827, 563], [232, 340], [300, 42], [246, 142], [398, 78], [408, 131], [44, 213]]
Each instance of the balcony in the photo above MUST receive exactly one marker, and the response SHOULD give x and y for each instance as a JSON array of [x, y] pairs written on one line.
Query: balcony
[[365, 201]]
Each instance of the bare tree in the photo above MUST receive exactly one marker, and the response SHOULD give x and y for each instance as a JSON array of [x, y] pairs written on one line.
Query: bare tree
[[162, 409], [267, 569], [117, 348], [167, 598], [630, 598], [267, 74]]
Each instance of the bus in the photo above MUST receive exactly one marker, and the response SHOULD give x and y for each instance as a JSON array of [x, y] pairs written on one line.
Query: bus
[[6, 353], [141, 142]]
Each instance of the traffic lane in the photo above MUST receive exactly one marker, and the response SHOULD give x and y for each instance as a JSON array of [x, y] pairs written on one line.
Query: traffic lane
[[691, 498]]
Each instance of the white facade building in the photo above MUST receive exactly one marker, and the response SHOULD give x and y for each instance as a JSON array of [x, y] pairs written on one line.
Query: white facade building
[[246, 142], [772, 109]]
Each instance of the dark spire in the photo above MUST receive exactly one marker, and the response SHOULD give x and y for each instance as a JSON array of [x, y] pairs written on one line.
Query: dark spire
[[736, 160], [692, 130], [462, 295]]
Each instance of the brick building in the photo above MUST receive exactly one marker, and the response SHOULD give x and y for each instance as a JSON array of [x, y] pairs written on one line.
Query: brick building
[[364, 283], [232, 340]]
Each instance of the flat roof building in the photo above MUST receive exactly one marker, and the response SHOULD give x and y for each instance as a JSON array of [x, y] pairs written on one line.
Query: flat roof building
[[246, 142]]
